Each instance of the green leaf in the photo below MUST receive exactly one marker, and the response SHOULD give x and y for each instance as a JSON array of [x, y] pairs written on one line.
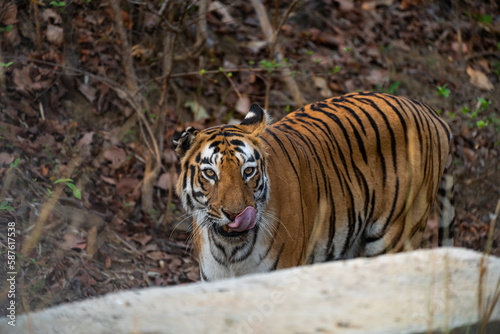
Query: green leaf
[[202, 71], [6, 64], [5, 206], [63, 180], [452, 114], [336, 69], [480, 124], [71, 186], [484, 103], [443, 91], [77, 193], [485, 18], [465, 110], [392, 89], [15, 163], [34, 262]]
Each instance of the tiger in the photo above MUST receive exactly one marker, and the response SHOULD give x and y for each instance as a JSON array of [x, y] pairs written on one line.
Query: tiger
[[352, 176]]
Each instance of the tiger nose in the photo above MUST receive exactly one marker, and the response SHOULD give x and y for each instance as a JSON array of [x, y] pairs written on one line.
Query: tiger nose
[[230, 215]]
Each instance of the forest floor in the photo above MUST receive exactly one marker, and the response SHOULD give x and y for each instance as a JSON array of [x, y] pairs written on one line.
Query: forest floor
[[89, 103]]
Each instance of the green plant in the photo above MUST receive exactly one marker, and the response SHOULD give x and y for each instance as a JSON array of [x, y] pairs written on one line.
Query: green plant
[[443, 91], [478, 112], [70, 185], [7, 28], [57, 4], [6, 64], [15, 163], [5, 206], [392, 88], [496, 65]]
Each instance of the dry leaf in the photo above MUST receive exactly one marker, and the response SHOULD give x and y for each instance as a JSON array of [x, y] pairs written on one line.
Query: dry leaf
[[167, 181], [142, 238], [345, 5], [371, 5], [321, 84], [88, 92], [108, 180], [55, 34], [157, 255], [479, 79], [243, 104], [470, 155], [198, 110], [21, 78], [50, 15], [222, 10], [377, 76], [126, 186], [6, 158], [116, 156], [92, 241], [73, 241], [86, 139], [170, 156]]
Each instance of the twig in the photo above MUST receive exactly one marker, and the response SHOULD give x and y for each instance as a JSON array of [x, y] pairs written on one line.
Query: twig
[[282, 22], [201, 35], [134, 100], [39, 43], [459, 32], [269, 35], [128, 65], [482, 54], [233, 85]]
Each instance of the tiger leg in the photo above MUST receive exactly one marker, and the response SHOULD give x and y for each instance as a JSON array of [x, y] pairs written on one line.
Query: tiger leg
[[446, 210], [406, 231]]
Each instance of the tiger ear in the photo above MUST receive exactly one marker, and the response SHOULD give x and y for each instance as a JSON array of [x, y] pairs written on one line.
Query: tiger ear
[[185, 140], [256, 120]]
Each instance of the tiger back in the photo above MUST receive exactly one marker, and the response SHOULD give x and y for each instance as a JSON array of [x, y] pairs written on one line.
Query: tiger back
[[355, 175]]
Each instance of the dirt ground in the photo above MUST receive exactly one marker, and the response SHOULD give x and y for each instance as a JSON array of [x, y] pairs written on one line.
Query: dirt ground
[[92, 92]]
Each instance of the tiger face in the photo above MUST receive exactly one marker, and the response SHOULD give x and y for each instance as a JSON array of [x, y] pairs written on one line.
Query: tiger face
[[223, 182]]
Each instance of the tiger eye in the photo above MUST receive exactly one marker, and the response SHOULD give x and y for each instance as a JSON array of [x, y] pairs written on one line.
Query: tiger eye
[[248, 170], [209, 172]]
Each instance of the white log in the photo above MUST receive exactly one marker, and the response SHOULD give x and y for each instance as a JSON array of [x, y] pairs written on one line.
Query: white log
[[417, 292]]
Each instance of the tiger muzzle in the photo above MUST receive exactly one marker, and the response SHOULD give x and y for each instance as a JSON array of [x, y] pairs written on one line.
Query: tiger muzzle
[[240, 223]]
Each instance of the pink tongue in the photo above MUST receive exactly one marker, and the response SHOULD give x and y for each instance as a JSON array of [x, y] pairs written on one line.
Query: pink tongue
[[245, 220]]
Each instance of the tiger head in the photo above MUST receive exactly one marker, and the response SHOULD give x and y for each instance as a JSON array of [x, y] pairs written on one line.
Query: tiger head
[[223, 182]]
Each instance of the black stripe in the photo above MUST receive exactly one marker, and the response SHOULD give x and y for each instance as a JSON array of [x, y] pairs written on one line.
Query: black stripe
[[202, 273], [388, 221], [275, 264], [375, 106]]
